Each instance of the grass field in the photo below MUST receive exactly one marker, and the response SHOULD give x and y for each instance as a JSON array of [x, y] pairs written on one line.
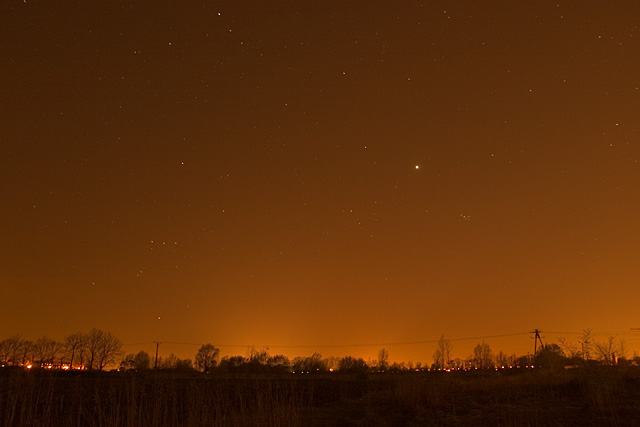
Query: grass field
[[578, 397]]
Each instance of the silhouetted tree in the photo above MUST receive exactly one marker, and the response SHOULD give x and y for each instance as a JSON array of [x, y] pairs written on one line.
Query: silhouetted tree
[[607, 351], [586, 343], [383, 359], [74, 348], [12, 350], [93, 340], [207, 357], [279, 363], [550, 356], [501, 360], [184, 365], [352, 365], [142, 360], [398, 367], [622, 349], [45, 351], [4, 351], [26, 351], [505, 361], [257, 358], [232, 363], [569, 348], [128, 363], [102, 349], [442, 355], [482, 356], [457, 363], [313, 363], [331, 363], [110, 349], [169, 362]]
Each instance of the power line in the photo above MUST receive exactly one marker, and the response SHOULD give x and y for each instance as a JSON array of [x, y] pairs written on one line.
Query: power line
[[380, 344], [593, 332], [182, 343], [163, 342], [489, 336]]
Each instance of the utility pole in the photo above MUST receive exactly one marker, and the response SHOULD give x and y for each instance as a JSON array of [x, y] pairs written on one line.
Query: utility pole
[[536, 338], [155, 365]]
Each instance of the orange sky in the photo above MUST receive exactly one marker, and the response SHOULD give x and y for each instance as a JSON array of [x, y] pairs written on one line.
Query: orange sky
[[246, 173]]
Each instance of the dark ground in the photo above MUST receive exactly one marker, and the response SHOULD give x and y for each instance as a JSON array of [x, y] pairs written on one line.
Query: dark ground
[[579, 397]]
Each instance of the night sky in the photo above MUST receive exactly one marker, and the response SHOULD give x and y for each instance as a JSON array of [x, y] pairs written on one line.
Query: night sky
[[315, 173]]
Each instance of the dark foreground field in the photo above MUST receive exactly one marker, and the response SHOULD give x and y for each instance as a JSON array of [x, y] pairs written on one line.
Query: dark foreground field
[[580, 397]]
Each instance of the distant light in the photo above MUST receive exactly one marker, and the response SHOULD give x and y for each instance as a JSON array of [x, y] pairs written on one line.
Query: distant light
[[417, 166]]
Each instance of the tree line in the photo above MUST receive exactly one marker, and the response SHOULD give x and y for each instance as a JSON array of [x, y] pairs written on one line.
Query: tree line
[[586, 351], [97, 350]]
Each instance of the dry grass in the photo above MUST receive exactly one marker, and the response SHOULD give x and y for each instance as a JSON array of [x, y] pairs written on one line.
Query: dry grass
[[594, 397], [99, 399]]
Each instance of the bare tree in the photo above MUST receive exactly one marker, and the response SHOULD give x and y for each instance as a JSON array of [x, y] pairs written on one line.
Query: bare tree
[[45, 351], [383, 359], [74, 347], [606, 351], [143, 360], [4, 352], [279, 362], [39, 351], [258, 357], [102, 349], [569, 348], [110, 349], [313, 363], [26, 351], [585, 342], [169, 362], [184, 365], [139, 361], [93, 340], [10, 349], [128, 363], [207, 357], [482, 356], [622, 348], [442, 355], [502, 360], [353, 365]]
